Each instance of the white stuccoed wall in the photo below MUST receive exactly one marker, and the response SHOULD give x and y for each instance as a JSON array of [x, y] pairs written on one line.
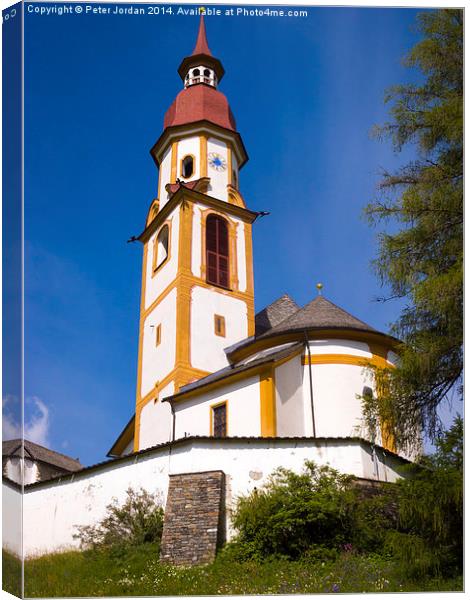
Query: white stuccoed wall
[[338, 410], [241, 256], [193, 416], [158, 361], [290, 398], [219, 179], [196, 243], [185, 147], [11, 518], [156, 283], [165, 176], [207, 348], [52, 510], [156, 422]]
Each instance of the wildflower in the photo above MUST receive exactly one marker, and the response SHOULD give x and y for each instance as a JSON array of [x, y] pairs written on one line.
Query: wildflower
[[335, 588]]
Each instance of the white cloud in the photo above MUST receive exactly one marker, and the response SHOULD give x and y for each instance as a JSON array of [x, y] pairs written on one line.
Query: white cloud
[[36, 426], [11, 428]]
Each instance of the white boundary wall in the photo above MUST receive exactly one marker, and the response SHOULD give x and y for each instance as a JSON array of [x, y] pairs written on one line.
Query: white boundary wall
[[53, 509], [11, 517]]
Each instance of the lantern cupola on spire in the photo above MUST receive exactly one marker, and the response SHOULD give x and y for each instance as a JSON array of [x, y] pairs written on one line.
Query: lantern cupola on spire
[[201, 67]]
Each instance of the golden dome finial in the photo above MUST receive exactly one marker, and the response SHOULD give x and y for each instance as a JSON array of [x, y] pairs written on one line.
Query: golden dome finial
[[319, 287]]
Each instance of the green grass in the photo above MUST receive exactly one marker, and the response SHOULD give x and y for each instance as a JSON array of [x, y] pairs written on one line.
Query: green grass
[[11, 573], [136, 571]]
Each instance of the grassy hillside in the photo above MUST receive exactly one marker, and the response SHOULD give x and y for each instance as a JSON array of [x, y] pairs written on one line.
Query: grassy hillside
[[136, 571], [11, 573]]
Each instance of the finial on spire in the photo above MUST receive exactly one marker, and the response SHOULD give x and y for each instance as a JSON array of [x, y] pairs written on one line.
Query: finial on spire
[[202, 46], [319, 287]]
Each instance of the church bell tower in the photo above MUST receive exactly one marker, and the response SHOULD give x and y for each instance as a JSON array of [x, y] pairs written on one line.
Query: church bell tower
[[197, 273]]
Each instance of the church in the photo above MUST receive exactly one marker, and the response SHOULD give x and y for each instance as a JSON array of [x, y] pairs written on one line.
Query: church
[[224, 396], [208, 366]]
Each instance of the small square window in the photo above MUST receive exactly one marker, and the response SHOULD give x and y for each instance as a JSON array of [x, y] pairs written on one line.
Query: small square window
[[219, 325], [158, 335]]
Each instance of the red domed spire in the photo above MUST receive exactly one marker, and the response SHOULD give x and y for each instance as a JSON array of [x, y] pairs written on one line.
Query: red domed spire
[[201, 46]]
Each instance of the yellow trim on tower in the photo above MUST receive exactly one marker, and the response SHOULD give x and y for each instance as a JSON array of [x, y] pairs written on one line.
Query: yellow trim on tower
[[141, 341], [174, 161], [183, 294], [203, 155], [229, 163], [268, 403], [249, 279]]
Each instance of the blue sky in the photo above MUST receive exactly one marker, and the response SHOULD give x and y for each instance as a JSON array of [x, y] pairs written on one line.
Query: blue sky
[[305, 93]]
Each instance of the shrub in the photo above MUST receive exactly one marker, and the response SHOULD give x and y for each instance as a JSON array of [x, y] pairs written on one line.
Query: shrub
[[138, 520], [291, 512], [316, 515]]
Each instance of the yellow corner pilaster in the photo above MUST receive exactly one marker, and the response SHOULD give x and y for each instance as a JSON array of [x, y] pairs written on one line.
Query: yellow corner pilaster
[[203, 155], [174, 162], [268, 404]]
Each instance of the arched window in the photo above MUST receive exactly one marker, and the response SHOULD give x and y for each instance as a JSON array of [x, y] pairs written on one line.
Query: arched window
[[196, 72], [161, 247], [217, 253], [187, 167]]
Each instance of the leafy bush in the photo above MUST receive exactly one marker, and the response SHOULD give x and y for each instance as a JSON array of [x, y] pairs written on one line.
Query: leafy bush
[[293, 511], [138, 520], [316, 515]]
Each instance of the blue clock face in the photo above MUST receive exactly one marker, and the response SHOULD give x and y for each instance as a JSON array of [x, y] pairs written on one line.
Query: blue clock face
[[216, 161]]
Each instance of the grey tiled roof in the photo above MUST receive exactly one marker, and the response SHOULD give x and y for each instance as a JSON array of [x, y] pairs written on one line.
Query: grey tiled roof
[[37, 452], [275, 313], [319, 313]]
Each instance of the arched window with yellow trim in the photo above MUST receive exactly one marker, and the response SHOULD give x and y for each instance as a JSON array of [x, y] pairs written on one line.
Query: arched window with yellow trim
[[217, 251], [187, 167], [161, 247]]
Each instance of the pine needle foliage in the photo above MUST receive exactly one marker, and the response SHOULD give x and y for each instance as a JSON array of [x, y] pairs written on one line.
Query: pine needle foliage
[[421, 260], [429, 539]]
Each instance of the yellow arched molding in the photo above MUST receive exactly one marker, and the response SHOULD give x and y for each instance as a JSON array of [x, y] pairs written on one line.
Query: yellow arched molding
[[203, 154], [232, 238], [234, 196], [156, 268], [181, 166], [153, 211], [174, 161], [211, 416], [268, 403]]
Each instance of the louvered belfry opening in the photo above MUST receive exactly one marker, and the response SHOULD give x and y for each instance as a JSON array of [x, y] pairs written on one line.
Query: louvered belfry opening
[[217, 253]]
